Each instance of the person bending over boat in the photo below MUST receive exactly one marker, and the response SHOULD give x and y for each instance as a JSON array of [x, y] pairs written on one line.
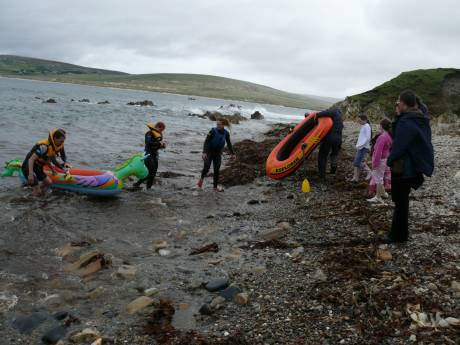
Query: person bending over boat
[[44, 152], [212, 152], [332, 142], [153, 142]]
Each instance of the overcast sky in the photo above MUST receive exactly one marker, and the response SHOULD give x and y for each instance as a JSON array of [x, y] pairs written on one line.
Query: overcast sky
[[330, 48]]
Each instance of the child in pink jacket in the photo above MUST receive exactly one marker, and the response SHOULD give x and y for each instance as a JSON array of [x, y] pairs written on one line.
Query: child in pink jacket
[[380, 153]]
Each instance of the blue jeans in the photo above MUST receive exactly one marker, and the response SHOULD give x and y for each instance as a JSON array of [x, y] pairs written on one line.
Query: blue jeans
[[359, 158]]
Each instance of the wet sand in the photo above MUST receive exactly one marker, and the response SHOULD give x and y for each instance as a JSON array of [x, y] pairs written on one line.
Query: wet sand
[[340, 288]]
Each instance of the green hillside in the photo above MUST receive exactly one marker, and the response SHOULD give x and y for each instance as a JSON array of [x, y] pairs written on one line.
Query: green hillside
[[18, 65], [186, 84], [439, 89]]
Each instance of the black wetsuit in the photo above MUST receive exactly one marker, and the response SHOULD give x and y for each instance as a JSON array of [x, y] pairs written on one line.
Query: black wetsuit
[[213, 147], [152, 145], [332, 142], [41, 150]]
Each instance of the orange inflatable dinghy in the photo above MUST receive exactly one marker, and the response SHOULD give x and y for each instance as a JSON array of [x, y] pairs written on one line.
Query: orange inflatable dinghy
[[289, 154]]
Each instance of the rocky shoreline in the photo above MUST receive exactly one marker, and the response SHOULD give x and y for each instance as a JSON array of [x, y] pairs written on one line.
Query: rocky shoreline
[[261, 263]]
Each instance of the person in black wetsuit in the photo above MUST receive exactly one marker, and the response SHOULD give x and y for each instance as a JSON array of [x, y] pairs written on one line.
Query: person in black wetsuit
[[153, 142], [332, 142], [212, 152], [44, 152]]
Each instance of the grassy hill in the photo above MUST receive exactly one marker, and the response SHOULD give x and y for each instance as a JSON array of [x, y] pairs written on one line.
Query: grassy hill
[[439, 89], [186, 84], [17, 65]]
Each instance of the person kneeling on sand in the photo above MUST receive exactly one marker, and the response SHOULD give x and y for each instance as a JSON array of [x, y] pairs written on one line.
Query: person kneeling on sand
[[411, 157], [212, 152], [153, 142], [44, 152], [380, 153]]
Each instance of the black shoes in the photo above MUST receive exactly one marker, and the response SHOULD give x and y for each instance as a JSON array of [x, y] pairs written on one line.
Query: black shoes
[[389, 240]]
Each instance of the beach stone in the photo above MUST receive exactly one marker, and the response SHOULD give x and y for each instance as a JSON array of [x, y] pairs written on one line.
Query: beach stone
[[218, 302], [87, 335], [457, 175], [164, 252], [297, 252], [241, 298], [230, 292], [383, 254], [274, 234], [152, 291], [138, 304], [97, 292], [54, 335], [26, 324], [319, 275], [217, 284], [253, 202], [259, 270], [206, 309], [127, 272], [159, 244], [284, 225], [61, 315]]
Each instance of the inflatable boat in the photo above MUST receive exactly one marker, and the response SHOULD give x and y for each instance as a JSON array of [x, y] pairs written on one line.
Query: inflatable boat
[[87, 181], [290, 153]]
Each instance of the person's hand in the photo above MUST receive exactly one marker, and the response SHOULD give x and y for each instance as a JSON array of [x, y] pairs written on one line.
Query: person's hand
[[204, 156], [31, 179], [233, 157], [163, 145], [67, 166]]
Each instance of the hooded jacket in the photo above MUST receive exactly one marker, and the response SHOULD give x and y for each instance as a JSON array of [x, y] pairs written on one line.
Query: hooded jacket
[[412, 145], [337, 127]]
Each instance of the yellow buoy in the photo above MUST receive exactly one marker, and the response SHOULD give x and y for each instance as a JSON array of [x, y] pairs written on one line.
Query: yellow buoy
[[305, 186]]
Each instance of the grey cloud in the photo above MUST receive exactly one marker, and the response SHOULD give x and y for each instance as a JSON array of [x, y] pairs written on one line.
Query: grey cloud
[[333, 48]]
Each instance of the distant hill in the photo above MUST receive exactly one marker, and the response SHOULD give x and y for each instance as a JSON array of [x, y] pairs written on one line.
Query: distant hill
[[186, 84], [20, 66], [439, 89]]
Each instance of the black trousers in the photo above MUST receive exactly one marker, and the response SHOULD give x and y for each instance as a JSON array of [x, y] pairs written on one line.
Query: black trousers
[[151, 162], [330, 146], [400, 190], [216, 159]]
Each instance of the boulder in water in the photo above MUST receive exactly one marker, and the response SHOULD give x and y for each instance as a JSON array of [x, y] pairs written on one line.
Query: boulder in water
[[257, 116], [103, 102], [50, 100], [84, 100], [234, 119], [145, 103]]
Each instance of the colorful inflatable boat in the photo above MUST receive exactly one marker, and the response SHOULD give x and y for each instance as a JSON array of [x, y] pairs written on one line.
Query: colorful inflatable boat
[[289, 154], [87, 181]]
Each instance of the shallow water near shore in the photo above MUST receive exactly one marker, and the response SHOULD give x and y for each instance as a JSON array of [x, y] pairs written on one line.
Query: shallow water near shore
[[102, 136]]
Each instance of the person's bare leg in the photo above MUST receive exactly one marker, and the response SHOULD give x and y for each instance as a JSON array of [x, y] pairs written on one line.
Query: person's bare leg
[[380, 190], [355, 174]]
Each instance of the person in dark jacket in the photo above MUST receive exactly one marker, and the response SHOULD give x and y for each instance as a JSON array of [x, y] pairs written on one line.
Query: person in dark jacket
[[212, 152], [153, 142], [332, 142], [410, 158]]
